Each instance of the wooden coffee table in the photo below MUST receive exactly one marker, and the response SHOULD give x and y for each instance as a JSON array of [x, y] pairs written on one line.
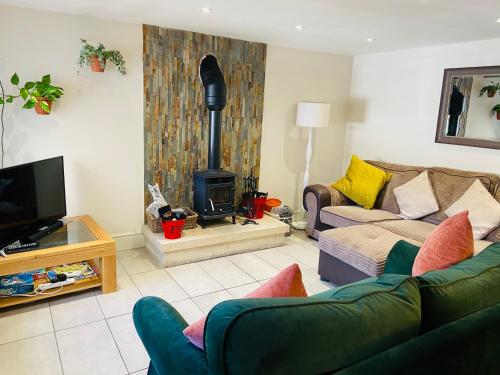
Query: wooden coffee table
[[80, 239]]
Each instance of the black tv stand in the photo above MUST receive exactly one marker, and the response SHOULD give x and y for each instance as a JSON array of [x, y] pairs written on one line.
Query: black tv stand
[[42, 232]]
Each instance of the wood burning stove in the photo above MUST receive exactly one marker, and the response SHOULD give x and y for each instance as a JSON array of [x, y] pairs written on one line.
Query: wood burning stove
[[213, 194]]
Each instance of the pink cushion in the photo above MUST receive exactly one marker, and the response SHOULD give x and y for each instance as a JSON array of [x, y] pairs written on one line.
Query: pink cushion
[[451, 242], [287, 283]]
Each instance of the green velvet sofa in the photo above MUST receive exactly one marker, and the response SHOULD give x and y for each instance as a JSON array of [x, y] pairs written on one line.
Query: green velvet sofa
[[445, 322]]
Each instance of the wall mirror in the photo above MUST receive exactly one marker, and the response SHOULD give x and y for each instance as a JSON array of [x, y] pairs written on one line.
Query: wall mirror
[[469, 113]]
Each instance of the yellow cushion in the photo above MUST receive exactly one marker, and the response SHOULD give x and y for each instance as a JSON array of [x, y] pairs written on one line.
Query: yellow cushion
[[362, 182]]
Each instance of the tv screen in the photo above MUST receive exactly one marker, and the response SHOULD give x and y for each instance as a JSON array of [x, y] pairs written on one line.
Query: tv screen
[[31, 195]]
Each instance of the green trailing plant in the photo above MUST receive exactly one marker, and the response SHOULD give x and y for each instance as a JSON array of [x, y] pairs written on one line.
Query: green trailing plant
[[490, 89], [89, 51], [495, 109], [33, 93]]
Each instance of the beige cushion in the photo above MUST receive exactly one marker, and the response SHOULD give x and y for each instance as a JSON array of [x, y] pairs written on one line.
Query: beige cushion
[[484, 210], [401, 174], [494, 235], [364, 247], [450, 184], [416, 198], [415, 229], [419, 231], [345, 216]]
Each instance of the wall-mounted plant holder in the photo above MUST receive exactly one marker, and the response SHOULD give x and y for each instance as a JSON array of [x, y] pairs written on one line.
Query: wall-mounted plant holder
[[496, 109], [490, 90], [38, 94], [97, 56]]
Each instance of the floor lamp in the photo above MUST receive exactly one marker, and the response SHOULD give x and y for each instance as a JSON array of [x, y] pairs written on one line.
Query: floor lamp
[[310, 115]]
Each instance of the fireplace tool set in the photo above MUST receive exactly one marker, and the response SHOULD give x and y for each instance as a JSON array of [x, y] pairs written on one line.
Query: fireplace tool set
[[253, 201]]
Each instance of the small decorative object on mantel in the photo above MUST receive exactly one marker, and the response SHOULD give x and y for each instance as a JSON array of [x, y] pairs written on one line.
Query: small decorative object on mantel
[[490, 90], [97, 56], [496, 109], [38, 94]]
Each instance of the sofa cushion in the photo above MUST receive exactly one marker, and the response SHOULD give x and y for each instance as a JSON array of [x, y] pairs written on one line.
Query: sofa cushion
[[362, 182], [401, 174], [484, 210], [469, 286], [419, 230], [415, 229], [416, 198], [450, 184], [315, 335], [494, 235], [364, 247], [345, 216]]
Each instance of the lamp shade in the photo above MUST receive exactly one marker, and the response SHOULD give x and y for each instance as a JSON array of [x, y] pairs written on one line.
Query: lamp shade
[[313, 115]]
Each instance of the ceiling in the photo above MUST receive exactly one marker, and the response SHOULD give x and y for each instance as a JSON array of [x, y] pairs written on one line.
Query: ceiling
[[336, 26]]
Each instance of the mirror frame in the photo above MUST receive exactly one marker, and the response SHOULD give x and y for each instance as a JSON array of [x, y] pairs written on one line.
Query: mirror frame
[[443, 106]]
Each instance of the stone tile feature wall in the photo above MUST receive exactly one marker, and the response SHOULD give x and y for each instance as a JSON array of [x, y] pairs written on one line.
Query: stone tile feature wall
[[175, 115]]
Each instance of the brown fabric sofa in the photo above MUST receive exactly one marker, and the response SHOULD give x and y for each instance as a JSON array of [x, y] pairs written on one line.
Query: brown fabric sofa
[[354, 242]]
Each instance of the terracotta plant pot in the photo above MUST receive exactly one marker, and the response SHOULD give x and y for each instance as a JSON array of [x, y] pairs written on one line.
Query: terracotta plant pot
[[96, 66], [498, 115], [38, 107], [491, 93]]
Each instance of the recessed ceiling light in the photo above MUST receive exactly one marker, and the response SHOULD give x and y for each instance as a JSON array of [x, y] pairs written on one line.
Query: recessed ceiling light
[[206, 10], [299, 27], [369, 40]]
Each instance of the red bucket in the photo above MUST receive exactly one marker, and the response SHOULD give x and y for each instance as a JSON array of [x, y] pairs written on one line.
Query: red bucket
[[256, 207], [173, 229]]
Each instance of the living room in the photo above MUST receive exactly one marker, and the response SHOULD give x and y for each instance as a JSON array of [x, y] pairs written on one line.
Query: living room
[[337, 115]]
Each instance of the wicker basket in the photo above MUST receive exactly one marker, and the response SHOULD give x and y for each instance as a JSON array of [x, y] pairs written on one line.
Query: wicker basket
[[155, 224]]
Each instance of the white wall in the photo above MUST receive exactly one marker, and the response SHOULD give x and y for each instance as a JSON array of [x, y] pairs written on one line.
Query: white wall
[[97, 125], [395, 103], [292, 76]]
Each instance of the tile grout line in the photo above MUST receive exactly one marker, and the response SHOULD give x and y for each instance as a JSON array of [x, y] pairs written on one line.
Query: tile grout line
[[55, 338], [114, 340]]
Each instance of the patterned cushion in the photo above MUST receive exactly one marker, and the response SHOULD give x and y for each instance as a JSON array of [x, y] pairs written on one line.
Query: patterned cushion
[[364, 247], [345, 216], [362, 182]]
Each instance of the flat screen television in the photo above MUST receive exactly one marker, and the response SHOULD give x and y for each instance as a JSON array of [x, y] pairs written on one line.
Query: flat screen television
[[32, 196]]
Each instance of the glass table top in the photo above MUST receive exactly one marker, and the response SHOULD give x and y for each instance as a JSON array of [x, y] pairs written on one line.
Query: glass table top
[[74, 231]]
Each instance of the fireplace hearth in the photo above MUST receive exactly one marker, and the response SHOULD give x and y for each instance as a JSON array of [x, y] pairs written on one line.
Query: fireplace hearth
[[214, 188]]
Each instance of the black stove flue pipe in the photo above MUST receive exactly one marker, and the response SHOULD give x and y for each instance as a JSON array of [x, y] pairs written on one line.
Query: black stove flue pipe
[[215, 100]]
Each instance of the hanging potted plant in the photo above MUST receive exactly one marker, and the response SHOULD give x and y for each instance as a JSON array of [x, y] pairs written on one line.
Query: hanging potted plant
[[97, 56], [496, 109], [490, 90], [39, 94]]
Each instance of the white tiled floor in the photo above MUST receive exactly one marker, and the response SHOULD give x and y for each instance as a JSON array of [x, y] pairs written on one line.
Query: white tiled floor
[[92, 333]]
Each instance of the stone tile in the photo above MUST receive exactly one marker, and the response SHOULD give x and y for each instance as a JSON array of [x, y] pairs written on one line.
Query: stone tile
[[225, 272], [136, 261], [193, 279], [253, 265], [130, 345], [18, 323], [74, 310], [120, 271], [207, 301], [36, 355], [89, 349], [279, 259], [120, 302], [142, 372], [189, 310], [160, 284], [305, 253], [243, 290]]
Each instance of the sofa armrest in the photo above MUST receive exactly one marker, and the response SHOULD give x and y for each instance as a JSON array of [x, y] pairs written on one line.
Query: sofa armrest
[[160, 328], [401, 257], [314, 199]]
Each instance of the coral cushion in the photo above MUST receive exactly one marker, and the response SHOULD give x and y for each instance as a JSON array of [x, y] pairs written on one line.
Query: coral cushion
[[287, 283], [451, 242], [362, 182]]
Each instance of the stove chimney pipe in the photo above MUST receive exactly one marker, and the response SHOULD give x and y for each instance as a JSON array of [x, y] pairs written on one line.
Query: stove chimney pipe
[[215, 100]]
